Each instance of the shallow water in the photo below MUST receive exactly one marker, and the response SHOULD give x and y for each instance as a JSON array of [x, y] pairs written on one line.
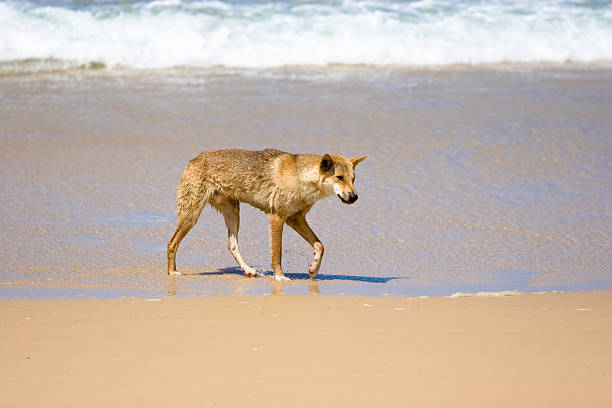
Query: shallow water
[[478, 179]]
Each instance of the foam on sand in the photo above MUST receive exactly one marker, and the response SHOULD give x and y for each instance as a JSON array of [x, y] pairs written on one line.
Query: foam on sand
[[501, 293]]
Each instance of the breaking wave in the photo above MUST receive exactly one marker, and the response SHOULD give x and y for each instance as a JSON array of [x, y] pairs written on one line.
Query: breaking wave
[[39, 35]]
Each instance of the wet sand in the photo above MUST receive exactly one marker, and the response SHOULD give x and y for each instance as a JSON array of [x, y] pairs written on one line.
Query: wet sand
[[279, 351], [478, 179]]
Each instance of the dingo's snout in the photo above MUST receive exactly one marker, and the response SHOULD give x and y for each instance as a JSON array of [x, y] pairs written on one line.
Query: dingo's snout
[[352, 197]]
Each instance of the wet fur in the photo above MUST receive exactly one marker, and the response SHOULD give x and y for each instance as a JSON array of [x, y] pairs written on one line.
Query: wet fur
[[283, 185]]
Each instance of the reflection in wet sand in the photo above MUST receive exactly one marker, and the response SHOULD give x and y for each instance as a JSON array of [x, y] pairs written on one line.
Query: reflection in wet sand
[[172, 285], [313, 288]]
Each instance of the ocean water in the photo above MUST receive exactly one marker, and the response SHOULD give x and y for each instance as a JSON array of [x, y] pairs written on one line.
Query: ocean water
[[58, 35], [487, 125]]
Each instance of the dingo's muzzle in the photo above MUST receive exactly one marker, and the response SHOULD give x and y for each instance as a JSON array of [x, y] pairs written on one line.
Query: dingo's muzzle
[[351, 198]]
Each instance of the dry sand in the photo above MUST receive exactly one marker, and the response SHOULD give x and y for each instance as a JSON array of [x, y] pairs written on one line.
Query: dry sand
[[287, 351]]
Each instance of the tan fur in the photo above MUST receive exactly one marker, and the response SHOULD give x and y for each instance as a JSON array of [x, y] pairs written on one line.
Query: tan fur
[[283, 185]]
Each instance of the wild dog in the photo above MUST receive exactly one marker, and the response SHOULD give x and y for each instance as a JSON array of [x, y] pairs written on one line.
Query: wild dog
[[283, 185]]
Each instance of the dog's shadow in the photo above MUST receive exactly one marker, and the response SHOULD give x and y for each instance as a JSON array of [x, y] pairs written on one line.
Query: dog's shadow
[[235, 270], [232, 270]]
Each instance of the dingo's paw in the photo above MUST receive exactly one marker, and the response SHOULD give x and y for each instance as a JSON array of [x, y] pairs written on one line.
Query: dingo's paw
[[251, 272], [313, 270], [281, 278], [175, 273]]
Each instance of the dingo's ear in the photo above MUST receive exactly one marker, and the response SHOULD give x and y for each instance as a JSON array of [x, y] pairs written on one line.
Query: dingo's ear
[[357, 160], [326, 163]]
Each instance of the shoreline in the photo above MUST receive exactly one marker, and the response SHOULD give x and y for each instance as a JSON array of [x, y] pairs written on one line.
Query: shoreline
[[230, 287], [53, 67], [550, 349]]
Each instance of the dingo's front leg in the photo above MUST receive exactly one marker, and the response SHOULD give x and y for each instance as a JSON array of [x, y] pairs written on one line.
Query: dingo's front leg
[[299, 224], [276, 245], [313, 270]]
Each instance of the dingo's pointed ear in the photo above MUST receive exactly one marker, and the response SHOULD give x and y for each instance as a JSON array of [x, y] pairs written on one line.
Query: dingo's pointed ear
[[357, 160], [326, 163]]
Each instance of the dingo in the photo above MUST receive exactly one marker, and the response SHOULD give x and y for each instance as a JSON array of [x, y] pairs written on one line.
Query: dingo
[[283, 185]]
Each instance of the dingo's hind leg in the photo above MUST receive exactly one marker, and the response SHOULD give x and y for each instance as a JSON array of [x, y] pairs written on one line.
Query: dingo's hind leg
[[231, 212], [190, 200], [185, 223]]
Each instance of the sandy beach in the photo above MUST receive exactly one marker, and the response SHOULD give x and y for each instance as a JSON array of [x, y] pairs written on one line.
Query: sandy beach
[[475, 270], [299, 351]]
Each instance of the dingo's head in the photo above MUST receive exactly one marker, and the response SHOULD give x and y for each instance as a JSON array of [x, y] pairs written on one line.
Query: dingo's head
[[338, 176]]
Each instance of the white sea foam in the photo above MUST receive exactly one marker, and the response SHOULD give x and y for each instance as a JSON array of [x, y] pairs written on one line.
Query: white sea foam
[[260, 34], [500, 293], [486, 294]]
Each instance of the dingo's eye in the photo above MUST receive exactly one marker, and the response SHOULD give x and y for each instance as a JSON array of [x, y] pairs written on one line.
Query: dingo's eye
[[340, 178]]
